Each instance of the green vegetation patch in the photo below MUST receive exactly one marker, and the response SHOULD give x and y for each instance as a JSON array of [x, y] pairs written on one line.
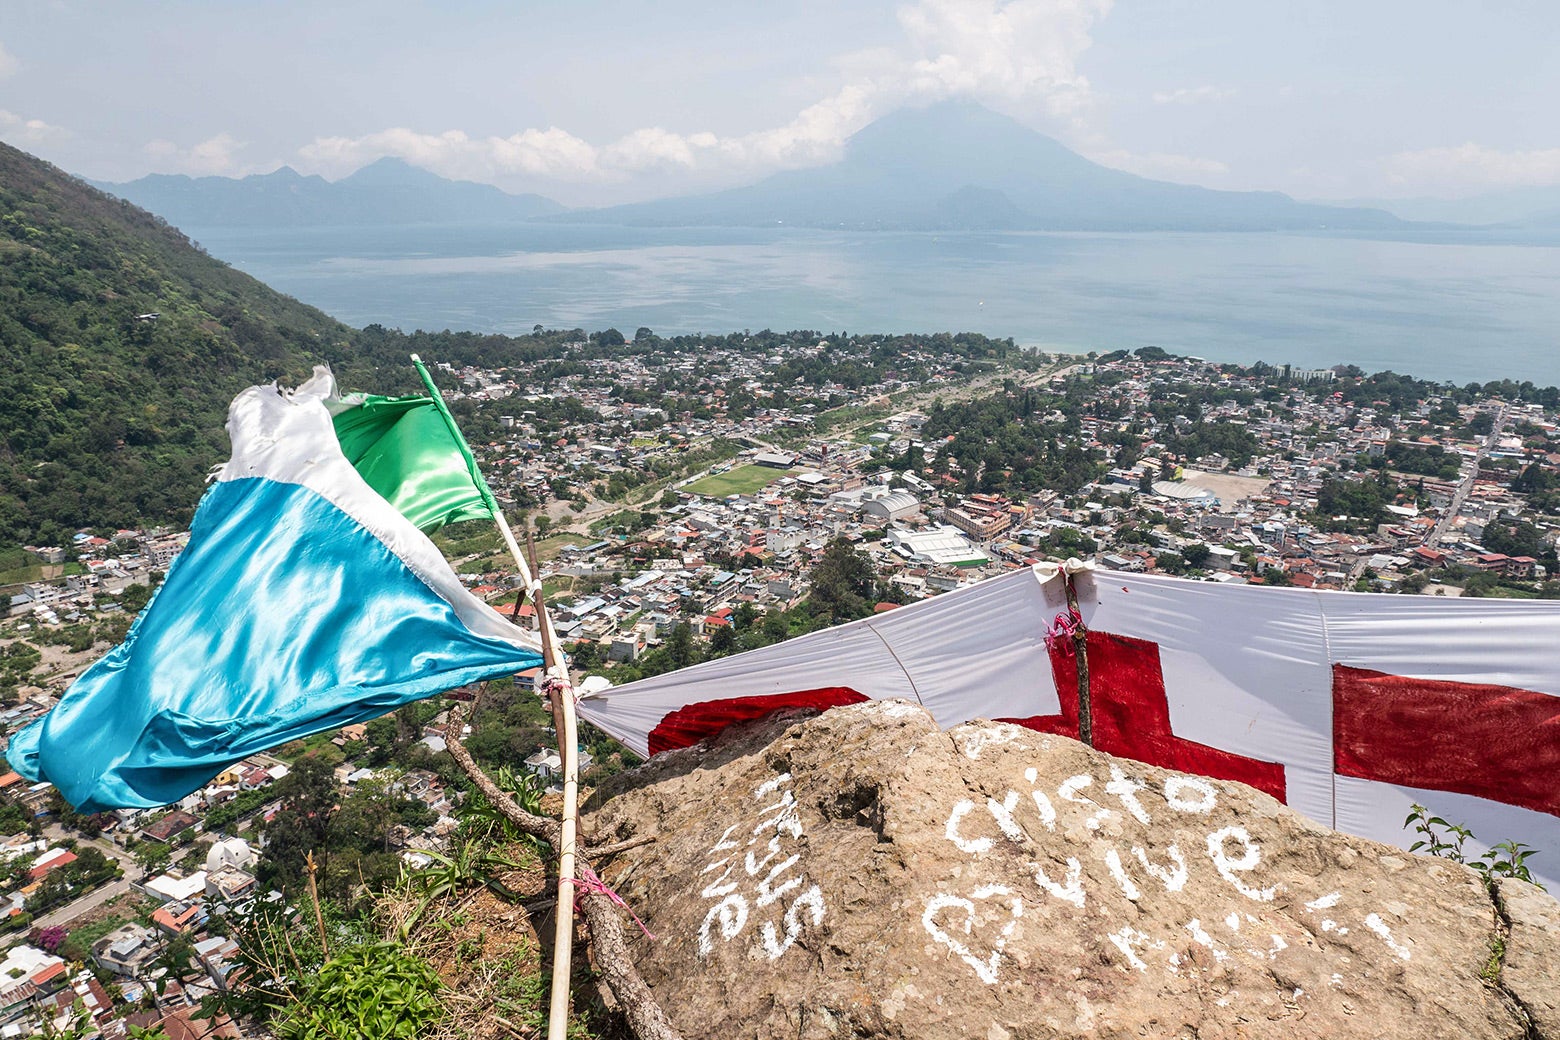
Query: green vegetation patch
[[744, 480]]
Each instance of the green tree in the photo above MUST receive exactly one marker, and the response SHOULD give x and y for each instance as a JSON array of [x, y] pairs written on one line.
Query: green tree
[[308, 796], [153, 856], [842, 583]]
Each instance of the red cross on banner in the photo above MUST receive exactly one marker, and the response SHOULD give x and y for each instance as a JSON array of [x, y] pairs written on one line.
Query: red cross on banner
[[1495, 742], [692, 723], [1131, 714]]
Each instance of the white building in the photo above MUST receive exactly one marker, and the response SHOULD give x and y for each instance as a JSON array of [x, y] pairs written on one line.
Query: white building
[[230, 852], [889, 506], [937, 545]]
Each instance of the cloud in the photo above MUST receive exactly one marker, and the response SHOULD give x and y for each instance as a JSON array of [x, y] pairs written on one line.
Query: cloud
[[32, 131], [1161, 165], [550, 153], [1004, 50], [1192, 95], [1472, 166], [216, 155], [9, 66], [1015, 50]]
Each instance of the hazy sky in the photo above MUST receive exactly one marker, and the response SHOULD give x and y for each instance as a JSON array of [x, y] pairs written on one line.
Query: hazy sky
[[607, 100]]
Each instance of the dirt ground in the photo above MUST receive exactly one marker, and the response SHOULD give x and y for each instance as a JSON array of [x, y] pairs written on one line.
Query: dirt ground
[[1227, 486], [58, 665]]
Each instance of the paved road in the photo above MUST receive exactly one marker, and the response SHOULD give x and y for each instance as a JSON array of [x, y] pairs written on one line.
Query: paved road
[[1467, 481], [89, 902], [100, 895]]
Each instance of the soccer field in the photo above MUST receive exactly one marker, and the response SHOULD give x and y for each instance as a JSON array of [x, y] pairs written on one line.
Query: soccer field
[[744, 480]]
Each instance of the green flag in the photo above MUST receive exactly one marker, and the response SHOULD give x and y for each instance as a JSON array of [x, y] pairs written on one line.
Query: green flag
[[409, 450]]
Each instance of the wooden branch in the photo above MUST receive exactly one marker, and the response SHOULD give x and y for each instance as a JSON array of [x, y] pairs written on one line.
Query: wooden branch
[[639, 1005], [1081, 653], [619, 846], [549, 830]]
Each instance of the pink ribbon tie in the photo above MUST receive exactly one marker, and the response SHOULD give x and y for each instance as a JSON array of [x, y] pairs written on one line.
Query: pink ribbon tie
[[589, 882], [1060, 633]]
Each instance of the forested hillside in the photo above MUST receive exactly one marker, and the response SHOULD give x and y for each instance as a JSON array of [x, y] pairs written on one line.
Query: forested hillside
[[109, 416]]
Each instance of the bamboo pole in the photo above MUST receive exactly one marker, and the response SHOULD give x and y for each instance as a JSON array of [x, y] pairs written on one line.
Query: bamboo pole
[[566, 725], [644, 1014]]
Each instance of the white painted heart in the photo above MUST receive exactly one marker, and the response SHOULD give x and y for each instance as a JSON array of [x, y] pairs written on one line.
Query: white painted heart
[[985, 968]]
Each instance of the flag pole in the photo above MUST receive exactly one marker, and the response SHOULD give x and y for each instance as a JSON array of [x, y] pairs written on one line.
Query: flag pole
[[565, 724]]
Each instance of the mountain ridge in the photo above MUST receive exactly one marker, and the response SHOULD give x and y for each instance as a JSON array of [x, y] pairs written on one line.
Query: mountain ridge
[[1523, 207], [385, 192], [958, 166]]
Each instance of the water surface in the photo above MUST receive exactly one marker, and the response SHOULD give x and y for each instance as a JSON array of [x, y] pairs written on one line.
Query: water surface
[[1442, 304]]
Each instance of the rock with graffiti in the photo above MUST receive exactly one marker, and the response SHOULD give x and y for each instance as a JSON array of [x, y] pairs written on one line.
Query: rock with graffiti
[[862, 873]]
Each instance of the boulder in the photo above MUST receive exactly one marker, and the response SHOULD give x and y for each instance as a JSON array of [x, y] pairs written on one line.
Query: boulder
[[1529, 969], [862, 873]]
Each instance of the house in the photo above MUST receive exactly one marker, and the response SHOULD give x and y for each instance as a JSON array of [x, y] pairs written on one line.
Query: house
[[1493, 562], [180, 916], [170, 826], [230, 852], [185, 1025], [126, 951], [426, 787], [170, 888], [51, 859], [26, 975], [548, 766], [229, 885], [36, 798], [218, 956], [256, 777]]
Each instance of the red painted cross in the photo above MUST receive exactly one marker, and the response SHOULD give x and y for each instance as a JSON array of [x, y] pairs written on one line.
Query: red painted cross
[[1131, 714], [1495, 742]]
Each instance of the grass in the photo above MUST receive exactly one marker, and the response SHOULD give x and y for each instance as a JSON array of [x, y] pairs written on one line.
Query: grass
[[318, 743], [546, 551], [483, 564], [472, 536], [31, 572], [744, 480], [547, 548], [88, 934], [562, 585]]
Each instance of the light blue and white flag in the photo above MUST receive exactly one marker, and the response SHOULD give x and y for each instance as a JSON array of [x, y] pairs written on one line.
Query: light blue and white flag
[[303, 602]]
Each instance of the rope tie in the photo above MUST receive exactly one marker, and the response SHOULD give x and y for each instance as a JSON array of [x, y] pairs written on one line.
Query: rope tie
[[1060, 633], [589, 882], [551, 684]]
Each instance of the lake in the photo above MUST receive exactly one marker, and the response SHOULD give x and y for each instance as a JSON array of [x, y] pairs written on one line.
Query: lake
[[1445, 305]]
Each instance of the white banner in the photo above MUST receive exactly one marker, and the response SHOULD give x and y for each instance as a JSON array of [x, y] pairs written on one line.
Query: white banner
[[1349, 707]]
